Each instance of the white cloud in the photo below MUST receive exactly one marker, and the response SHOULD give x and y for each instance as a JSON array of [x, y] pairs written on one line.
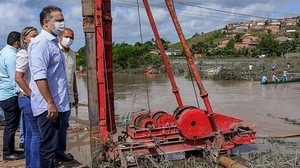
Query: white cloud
[[16, 14]]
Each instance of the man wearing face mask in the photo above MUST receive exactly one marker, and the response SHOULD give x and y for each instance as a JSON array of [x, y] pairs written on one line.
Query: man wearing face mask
[[65, 41], [49, 96], [9, 91]]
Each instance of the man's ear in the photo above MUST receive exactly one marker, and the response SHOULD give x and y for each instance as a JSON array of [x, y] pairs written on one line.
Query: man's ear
[[45, 22]]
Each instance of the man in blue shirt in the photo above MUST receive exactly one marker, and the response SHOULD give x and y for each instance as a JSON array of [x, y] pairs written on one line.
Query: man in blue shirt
[[9, 96], [264, 78], [49, 99]]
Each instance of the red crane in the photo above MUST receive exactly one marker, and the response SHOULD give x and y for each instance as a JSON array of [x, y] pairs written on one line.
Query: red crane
[[155, 133]]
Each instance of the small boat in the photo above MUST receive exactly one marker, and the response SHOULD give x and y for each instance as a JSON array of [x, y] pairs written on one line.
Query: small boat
[[281, 81]]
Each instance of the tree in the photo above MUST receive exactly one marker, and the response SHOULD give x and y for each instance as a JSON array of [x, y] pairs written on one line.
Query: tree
[[81, 57], [230, 44], [268, 46], [200, 47], [238, 37]]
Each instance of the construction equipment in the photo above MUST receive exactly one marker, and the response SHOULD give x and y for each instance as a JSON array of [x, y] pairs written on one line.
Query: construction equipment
[[156, 133]]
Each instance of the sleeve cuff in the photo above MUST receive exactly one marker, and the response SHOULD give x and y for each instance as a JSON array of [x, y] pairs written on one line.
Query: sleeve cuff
[[39, 76]]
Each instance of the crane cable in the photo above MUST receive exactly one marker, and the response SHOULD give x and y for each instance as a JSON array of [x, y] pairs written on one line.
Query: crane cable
[[190, 73], [141, 36]]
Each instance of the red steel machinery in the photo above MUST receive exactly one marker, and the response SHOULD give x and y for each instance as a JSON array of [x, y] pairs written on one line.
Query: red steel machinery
[[155, 133]]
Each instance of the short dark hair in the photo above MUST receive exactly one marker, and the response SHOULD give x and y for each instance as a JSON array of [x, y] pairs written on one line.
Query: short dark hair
[[46, 13], [13, 37]]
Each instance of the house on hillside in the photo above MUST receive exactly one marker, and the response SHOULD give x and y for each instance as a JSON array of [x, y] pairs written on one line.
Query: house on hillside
[[241, 29], [251, 40], [261, 22], [155, 52], [239, 46], [257, 28], [275, 23], [283, 39], [223, 43], [171, 52], [273, 28], [231, 26], [290, 31], [291, 22]]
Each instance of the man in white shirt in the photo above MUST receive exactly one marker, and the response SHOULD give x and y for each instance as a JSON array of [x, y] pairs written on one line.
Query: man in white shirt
[[65, 41]]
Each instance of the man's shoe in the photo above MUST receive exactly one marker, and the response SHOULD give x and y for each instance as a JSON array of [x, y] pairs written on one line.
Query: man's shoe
[[18, 152], [13, 157], [65, 157]]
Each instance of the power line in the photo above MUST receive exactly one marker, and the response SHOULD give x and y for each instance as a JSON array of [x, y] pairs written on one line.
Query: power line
[[183, 14], [256, 10], [223, 11]]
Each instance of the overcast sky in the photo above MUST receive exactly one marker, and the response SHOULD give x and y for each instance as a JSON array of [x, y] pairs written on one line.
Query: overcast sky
[[194, 15]]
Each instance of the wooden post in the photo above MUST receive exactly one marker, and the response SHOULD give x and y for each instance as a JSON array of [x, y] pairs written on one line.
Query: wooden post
[[93, 102]]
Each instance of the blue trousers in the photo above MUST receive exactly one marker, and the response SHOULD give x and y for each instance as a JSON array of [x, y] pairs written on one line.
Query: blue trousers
[[12, 112], [32, 134], [62, 141], [22, 126]]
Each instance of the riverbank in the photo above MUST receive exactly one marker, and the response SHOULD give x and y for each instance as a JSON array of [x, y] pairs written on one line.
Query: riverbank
[[226, 69]]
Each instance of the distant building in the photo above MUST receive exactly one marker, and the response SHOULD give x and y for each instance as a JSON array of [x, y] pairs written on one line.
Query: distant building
[[239, 46], [290, 31], [240, 29], [275, 23], [257, 28], [248, 39], [155, 52], [171, 52], [223, 43], [261, 22], [273, 28], [291, 22], [283, 39]]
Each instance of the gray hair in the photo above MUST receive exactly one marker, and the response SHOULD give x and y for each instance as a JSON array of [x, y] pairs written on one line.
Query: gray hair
[[24, 33]]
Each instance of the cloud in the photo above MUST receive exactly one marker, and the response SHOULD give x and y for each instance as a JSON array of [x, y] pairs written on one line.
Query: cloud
[[17, 14]]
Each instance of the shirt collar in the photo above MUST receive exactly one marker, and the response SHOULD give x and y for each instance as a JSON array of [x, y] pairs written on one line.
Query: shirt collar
[[49, 36], [11, 48], [62, 49]]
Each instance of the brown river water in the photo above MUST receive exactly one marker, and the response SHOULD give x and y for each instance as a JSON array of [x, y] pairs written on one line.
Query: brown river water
[[268, 107]]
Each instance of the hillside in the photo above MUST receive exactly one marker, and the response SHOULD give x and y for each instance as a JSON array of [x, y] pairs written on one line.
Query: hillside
[[248, 39]]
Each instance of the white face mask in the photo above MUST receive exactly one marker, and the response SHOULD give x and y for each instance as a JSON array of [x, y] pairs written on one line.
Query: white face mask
[[30, 39], [66, 42], [59, 27]]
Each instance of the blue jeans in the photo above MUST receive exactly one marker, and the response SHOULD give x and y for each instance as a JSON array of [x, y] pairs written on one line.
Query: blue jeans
[[22, 126], [32, 134], [62, 141], [12, 112], [49, 138], [1, 115]]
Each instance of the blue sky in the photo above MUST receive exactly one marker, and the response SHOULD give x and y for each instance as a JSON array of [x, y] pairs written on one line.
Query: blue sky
[[17, 14]]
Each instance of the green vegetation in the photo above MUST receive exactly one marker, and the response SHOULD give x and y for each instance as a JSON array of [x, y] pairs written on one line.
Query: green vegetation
[[127, 56]]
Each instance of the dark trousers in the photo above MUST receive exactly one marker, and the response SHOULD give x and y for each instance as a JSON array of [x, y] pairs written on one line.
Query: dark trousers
[[49, 138], [12, 112], [62, 135]]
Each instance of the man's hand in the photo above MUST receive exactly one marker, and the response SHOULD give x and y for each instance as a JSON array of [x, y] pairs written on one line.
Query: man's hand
[[52, 111]]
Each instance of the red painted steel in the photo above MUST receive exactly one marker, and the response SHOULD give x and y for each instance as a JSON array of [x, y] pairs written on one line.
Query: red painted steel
[[107, 35], [104, 68], [192, 65], [175, 89], [101, 70]]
